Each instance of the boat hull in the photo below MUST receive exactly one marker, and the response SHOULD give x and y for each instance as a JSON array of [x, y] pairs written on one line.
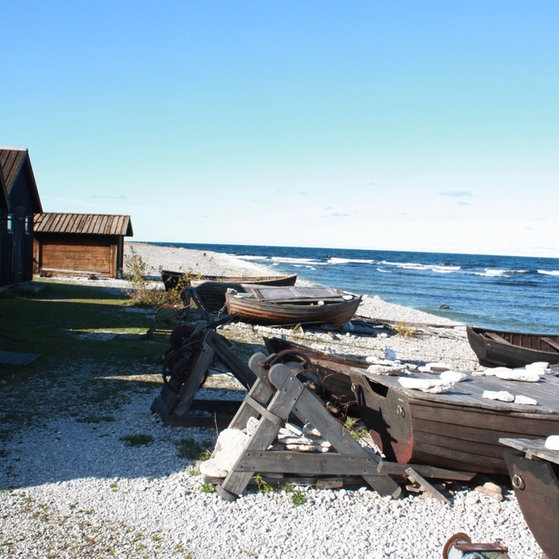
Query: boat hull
[[459, 430], [536, 486], [446, 434], [293, 311], [171, 278], [496, 348]]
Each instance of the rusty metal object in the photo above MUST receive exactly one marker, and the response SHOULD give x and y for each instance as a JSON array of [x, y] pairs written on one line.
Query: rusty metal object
[[460, 546]]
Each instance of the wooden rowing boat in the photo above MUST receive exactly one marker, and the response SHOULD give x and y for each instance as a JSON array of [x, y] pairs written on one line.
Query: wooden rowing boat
[[497, 348], [171, 279], [534, 473], [211, 289], [292, 305], [458, 430]]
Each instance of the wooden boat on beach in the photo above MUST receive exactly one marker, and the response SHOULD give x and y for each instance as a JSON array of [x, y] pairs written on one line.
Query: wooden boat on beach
[[292, 305], [497, 348], [534, 473], [331, 368], [170, 279], [458, 430], [211, 289]]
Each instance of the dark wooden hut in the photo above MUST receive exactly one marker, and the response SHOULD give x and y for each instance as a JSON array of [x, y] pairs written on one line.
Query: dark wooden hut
[[19, 201], [80, 244]]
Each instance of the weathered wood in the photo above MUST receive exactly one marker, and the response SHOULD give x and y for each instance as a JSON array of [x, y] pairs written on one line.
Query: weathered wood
[[334, 312], [192, 383], [281, 404], [307, 463], [536, 486], [395, 469], [552, 343], [496, 348], [220, 345], [533, 447], [424, 485], [261, 392], [496, 337], [310, 409]]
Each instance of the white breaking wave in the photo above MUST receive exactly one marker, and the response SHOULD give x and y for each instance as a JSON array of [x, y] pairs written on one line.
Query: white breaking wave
[[336, 260]]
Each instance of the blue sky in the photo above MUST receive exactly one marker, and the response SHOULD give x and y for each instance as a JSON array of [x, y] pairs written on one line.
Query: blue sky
[[392, 125]]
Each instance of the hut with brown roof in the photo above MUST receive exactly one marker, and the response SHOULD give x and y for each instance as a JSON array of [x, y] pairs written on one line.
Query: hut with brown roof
[[19, 201], [89, 245]]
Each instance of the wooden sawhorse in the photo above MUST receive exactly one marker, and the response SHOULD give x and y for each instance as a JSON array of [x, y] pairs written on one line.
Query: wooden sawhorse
[[277, 394]]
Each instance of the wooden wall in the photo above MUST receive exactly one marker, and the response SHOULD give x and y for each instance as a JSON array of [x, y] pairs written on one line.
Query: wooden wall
[[78, 255]]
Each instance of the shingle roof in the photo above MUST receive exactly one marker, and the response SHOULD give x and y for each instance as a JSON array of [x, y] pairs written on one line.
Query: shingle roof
[[91, 224], [12, 162]]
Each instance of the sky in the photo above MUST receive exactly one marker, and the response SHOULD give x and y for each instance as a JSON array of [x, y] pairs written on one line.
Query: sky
[[389, 125]]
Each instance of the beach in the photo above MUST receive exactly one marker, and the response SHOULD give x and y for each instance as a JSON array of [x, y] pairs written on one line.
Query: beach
[[73, 488]]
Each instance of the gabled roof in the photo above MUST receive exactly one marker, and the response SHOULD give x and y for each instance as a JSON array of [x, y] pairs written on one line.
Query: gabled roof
[[89, 224], [3, 193], [13, 162]]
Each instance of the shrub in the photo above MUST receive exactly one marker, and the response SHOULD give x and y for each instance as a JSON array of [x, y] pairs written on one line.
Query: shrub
[[143, 293]]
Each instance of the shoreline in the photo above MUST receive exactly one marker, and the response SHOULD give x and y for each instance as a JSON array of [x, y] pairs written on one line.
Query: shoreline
[[186, 260], [74, 488]]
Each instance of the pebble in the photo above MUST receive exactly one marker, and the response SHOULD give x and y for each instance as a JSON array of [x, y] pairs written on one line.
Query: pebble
[[73, 489]]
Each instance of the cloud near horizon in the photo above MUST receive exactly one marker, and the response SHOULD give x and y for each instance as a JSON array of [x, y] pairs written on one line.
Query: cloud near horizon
[[455, 193]]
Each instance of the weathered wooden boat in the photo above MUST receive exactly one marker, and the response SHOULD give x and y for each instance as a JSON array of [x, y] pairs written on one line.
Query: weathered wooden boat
[[212, 292], [170, 279], [332, 369], [292, 305], [534, 473], [497, 348], [458, 430]]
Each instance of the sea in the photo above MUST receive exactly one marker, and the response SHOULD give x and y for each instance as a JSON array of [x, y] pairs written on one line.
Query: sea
[[514, 293]]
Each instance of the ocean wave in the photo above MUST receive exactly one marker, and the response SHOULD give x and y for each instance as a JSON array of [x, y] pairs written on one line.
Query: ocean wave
[[296, 261], [337, 260], [500, 272], [445, 269], [549, 272]]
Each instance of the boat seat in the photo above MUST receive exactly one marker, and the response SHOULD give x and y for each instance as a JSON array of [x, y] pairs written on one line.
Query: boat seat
[[496, 337], [551, 342]]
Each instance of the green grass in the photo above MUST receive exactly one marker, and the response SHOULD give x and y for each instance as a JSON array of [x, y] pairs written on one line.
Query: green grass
[[139, 439], [65, 318], [191, 449], [92, 350]]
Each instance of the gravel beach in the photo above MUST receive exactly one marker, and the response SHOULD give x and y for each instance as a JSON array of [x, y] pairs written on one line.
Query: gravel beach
[[72, 488]]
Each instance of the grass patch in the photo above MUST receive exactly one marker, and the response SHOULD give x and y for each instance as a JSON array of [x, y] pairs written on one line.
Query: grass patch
[[191, 449], [88, 338], [137, 440]]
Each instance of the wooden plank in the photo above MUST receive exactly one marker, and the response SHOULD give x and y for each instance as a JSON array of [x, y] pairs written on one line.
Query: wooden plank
[[550, 342], [496, 337], [238, 367], [192, 383], [425, 485], [292, 293], [533, 447], [280, 405], [310, 409], [261, 392], [307, 463], [393, 468]]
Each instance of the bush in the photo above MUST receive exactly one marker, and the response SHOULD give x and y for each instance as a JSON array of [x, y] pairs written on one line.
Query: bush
[[143, 293]]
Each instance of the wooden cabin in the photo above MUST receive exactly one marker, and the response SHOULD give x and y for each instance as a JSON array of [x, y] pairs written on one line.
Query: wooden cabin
[[80, 244], [19, 201], [3, 231]]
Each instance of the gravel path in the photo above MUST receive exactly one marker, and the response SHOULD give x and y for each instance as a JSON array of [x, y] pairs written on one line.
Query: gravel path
[[74, 486]]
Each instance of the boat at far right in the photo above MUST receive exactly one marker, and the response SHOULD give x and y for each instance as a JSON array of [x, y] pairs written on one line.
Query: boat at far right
[[497, 348]]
